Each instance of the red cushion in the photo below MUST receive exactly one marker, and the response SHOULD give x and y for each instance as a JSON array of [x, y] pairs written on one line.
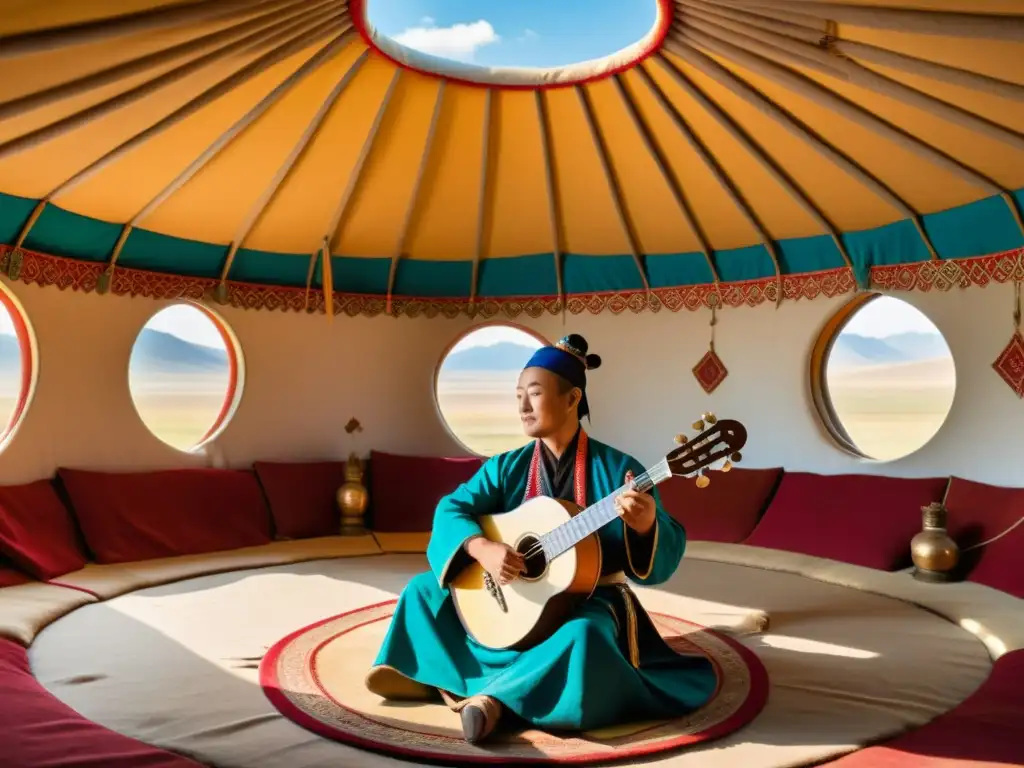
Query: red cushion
[[860, 519], [404, 490], [41, 732], [979, 512], [727, 510], [11, 577], [302, 496], [145, 515], [984, 728], [37, 534], [999, 564]]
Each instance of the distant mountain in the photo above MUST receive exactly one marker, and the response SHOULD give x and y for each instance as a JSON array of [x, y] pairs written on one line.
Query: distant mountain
[[853, 350], [154, 351], [502, 356], [165, 353]]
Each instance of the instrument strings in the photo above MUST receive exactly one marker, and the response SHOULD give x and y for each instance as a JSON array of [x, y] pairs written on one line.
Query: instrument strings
[[642, 483]]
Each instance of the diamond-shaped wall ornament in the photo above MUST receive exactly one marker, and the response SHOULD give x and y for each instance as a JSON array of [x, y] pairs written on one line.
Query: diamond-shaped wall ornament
[[1010, 364], [710, 371]]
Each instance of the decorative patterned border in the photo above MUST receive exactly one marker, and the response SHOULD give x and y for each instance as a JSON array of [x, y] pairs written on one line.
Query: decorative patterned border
[[79, 275], [287, 675]]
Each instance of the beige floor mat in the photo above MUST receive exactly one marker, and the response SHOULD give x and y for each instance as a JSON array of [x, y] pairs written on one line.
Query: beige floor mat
[[176, 666]]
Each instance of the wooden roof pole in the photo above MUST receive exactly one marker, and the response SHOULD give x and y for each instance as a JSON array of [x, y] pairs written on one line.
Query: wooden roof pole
[[335, 227], [781, 177], [267, 35], [125, 70], [775, 47], [805, 134], [669, 175], [613, 185], [772, 12], [410, 208], [164, 17], [812, 35], [211, 94], [551, 188], [258, 208], [481, 216], [711, 162], [914, 66], [945, 23]]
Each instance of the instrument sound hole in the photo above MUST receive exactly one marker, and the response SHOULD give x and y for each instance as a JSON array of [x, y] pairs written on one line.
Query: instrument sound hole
[[537, 564]]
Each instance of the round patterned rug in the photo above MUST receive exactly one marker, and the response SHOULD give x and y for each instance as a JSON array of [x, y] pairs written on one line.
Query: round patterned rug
[[315, 675]]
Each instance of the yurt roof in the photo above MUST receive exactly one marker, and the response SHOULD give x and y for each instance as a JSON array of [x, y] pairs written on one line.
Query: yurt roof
[[743, 151]]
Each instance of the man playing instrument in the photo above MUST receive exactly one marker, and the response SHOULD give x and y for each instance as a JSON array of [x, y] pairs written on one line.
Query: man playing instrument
[[607, 664]]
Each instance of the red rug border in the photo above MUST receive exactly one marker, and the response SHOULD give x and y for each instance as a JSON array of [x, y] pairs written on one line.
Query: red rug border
[[746, 712]]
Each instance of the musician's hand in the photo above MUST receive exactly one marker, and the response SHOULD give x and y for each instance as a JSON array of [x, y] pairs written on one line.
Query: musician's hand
[[499, 560], [637, 509]]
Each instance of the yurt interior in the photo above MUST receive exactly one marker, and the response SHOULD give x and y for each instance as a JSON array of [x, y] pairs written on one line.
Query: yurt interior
[[422, 382]]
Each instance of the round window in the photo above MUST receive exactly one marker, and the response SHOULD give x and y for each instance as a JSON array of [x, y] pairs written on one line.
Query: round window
[[185, 375], [17, 366], [883, 378], [476, 387]]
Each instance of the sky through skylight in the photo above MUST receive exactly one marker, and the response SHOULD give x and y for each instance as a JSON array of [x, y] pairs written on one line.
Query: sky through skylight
[[514, 33]]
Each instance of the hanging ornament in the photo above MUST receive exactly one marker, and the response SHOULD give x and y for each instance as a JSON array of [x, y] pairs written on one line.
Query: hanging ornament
[[710, 371], [1010, 364]]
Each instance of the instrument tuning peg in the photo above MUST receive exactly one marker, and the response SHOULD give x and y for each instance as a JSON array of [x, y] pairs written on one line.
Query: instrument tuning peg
[[703, 481], [710, 418], [737, 457], [680, 439], [699, 425], [727, 466]]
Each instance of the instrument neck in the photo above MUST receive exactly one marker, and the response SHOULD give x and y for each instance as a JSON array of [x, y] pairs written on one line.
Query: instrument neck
[[570, 533]]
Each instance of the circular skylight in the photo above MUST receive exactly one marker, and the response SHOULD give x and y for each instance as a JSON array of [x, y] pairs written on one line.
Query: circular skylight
[[526, 42]]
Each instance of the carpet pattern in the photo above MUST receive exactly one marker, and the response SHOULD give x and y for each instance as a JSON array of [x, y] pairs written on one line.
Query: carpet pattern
[[314, 676]]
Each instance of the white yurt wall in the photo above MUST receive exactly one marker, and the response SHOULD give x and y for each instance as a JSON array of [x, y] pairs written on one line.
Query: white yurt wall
[[306, 377]]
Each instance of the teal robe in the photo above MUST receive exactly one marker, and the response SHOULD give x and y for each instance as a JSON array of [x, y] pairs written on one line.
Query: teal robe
[[606, 665]]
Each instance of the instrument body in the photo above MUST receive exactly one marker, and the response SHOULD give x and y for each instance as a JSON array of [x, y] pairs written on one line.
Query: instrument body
[[535, 605], [563, 560]]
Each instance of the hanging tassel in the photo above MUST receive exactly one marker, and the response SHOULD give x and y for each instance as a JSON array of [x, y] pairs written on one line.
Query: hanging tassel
[[327, 278], [711, 371], [1010, 363]]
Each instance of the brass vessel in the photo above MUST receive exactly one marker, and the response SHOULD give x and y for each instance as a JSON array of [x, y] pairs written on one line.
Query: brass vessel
[[353, 498], [933, 551]]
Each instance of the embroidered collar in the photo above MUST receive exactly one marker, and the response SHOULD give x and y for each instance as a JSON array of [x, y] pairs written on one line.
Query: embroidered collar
[[534, 486]]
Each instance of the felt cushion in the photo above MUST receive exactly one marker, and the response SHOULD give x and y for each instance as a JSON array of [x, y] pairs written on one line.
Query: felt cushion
[[41, 732], [109, 581], [143, 515], [985, 727], [860, 519], [11, 576], [979, 512], [999, 565], [302, 496], [404, 490], [727, 510], [27, 609], [37, 533]]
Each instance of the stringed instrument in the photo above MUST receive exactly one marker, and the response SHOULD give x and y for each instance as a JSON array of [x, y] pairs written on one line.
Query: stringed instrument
[[560, 547]]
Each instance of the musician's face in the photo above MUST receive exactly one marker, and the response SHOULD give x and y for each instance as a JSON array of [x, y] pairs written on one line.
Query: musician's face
[[546, 403]]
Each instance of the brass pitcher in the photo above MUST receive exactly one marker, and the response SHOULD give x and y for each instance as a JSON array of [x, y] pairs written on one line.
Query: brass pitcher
[[933, 550], [353, 498]]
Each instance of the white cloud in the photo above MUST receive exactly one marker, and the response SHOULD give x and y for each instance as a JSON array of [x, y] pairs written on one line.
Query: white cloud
[[459, 41]]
